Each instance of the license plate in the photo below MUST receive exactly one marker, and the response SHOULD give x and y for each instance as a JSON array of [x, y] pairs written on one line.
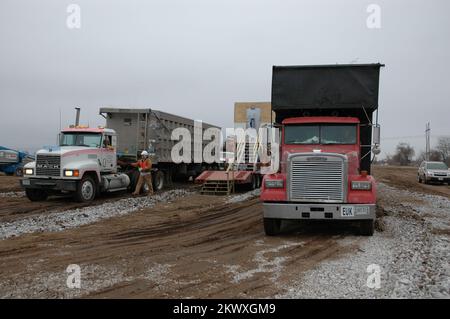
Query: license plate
[[26, 182], [347, 211], [441, 178]]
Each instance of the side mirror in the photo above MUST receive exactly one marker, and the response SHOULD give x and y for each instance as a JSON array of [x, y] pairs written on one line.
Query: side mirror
[[376, 135]]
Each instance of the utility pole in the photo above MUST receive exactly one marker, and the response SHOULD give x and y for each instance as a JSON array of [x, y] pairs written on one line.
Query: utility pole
[[427, 139]]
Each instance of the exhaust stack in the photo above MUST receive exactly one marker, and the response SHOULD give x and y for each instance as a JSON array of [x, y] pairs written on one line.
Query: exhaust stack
[[77, 120]]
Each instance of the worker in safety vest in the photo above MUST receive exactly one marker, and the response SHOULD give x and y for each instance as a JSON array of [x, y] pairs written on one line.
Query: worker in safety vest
[[145, 174]]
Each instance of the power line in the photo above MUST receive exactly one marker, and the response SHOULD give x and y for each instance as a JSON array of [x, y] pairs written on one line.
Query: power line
[[411, 137]]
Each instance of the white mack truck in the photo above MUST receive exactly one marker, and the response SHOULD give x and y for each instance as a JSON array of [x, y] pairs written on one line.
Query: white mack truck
[[85, 164]]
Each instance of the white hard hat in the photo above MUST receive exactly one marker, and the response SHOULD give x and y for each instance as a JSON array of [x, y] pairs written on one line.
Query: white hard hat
[[144, 153]]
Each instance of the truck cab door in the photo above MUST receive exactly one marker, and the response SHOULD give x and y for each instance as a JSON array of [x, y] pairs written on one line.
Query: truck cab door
[[108, 159]]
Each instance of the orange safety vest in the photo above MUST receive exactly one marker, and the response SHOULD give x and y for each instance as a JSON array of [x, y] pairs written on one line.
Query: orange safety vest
[[145, 164]]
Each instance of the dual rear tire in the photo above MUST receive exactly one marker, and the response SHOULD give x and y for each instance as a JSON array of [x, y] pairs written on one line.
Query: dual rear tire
[[158, 179]]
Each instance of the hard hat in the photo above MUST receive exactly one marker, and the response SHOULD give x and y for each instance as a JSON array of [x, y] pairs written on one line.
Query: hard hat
[[144, 153]]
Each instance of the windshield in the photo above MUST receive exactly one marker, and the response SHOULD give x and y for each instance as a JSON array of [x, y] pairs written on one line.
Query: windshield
[[320, 134], [81, 139], [437, 166]]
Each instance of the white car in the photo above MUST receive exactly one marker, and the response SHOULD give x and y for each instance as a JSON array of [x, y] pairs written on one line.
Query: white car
[[436, 172]]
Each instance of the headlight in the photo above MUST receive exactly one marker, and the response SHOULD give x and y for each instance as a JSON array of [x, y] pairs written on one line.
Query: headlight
[[71, 173], [28, 171], [363, 186], [274, 183]]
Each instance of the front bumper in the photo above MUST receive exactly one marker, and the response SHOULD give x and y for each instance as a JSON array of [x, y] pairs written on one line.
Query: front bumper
[[438, 179], [49, 184], [317, 211]]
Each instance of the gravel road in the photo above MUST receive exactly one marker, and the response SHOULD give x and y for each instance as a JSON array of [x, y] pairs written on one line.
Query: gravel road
[[184, 245]]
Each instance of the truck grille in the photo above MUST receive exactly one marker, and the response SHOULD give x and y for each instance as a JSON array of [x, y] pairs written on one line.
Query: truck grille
[[317, 179], [48, 165]]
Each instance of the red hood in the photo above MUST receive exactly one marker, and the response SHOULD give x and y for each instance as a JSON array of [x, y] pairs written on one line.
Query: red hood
[[351, 151]]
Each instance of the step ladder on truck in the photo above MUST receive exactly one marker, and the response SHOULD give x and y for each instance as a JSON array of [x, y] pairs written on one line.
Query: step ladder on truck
[[242, 171]]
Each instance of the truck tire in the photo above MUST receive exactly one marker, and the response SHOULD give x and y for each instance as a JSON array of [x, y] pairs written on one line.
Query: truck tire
[[254, 184], [134, 176], [367, 227], [86, 190], [158, 181], [272, 226], [36, 195], [259, 179]]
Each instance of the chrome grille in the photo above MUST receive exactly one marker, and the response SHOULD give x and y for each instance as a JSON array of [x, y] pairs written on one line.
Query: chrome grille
[[317, 179], [48, 165]]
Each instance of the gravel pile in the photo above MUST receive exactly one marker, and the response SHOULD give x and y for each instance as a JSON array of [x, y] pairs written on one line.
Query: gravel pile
[[413, 254], [60, 221], [243, 197], [12, 194]]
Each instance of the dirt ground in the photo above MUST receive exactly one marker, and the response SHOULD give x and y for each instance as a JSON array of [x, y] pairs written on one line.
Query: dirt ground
[[9, 184], [406, 178], [192, 246]]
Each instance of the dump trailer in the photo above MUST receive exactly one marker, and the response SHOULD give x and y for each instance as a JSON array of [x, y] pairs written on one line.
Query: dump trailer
[[12, 161], [326, 116], [150, 130]]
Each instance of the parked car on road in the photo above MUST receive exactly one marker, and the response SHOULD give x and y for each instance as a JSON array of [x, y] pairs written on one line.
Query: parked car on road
[[436, 172]]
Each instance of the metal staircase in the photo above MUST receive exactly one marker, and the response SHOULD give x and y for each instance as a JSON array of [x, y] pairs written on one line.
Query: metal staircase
[[220, 187]]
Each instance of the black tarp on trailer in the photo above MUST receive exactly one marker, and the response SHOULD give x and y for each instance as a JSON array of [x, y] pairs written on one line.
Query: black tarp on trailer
[[329, 90]]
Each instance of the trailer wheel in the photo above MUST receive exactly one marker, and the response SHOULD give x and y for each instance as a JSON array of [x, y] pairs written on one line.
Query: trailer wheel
[[158, 181], [86, 190], [367, 227], [36, 195], [272, 226]]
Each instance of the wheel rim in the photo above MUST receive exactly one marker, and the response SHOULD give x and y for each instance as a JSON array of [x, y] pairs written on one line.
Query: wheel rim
[[87, 190]]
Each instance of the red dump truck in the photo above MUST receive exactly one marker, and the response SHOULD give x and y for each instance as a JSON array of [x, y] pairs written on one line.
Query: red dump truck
[[326, 117]]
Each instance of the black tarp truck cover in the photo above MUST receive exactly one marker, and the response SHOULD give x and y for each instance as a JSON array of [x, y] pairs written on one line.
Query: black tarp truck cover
[[328, 90]]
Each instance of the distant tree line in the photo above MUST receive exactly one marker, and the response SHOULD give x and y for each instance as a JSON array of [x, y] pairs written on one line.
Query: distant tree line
[[404, 154]]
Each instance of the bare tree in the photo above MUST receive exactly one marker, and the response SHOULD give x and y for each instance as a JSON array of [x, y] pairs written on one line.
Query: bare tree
[[435, 155], [443, 147], [404, 154]]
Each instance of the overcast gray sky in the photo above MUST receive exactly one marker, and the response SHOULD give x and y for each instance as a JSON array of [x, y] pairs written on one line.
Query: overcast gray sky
[[197, 57]]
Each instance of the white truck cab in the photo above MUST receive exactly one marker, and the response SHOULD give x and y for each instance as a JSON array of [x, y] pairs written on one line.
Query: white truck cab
[[84, 163]]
